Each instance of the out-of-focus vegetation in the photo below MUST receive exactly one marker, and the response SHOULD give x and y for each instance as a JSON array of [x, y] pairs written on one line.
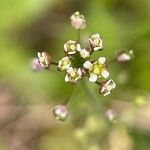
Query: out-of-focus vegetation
[[25, 97]]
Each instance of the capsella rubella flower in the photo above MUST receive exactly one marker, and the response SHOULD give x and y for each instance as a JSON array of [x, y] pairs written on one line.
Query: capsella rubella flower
[[78, 63]]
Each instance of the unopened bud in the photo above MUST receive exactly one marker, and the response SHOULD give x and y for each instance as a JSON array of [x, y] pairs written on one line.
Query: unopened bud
[[78, 20], [44, 59], [124, 56], [110, 115], [60, 112]]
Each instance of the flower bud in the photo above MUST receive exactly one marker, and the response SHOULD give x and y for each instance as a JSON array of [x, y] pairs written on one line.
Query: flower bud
[[106, 87], [124, 56], [96, 42], [44, 59], [78, 20], [60, 112], [110, 115], [85, 53], [35, 66]]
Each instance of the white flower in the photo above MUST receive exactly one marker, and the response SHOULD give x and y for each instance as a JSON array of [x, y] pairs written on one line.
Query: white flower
[[107, 87], [96, 42], [64, 63], [78, 20], [73, 75], [60, 112], [124, 56], [44, 59], [84, 53], [71, 47], [96, 69]]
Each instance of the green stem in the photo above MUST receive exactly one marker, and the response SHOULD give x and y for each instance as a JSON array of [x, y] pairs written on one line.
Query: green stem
[[54, 63], [98, 83], [94, 99], [69, 96]]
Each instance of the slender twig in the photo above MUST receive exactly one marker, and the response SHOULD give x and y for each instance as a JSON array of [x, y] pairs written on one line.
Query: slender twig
[[69, 96]]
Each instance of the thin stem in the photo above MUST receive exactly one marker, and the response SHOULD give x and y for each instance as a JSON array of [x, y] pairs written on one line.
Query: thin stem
[[54, 63], [98, 83], [90, 95], [69, 96], [78, 35]]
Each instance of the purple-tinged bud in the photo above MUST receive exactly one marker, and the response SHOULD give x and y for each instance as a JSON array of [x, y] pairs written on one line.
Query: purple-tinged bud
[[124, 56], [78, 20], [106, 87], [110, 115], [35, 66], [44, 59], [60, 112]]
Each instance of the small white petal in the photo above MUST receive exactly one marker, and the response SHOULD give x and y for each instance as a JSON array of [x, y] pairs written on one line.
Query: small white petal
[[72, 52], [97, 48], [78, 47], [93, 78], [107, 93], [105, 73], [87, 65], [84, 53], [65, 47], [70, 70], [66, 78], [96, 35], [79, 72], [65, 58], [101, 60], [39, 54]]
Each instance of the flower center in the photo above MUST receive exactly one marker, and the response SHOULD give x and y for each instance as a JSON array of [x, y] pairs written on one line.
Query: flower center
[[66, 62], [72, 47], [96, 68], [96, 41]]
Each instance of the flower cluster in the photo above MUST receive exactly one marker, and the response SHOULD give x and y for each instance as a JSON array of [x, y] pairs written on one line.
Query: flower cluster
[[78, 63]]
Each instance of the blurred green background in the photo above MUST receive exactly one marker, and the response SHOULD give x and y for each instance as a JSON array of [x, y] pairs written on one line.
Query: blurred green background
[[26, 122]]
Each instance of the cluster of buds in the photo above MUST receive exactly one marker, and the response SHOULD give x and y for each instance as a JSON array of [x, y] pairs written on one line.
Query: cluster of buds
[[77, 63], [78, 20]]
